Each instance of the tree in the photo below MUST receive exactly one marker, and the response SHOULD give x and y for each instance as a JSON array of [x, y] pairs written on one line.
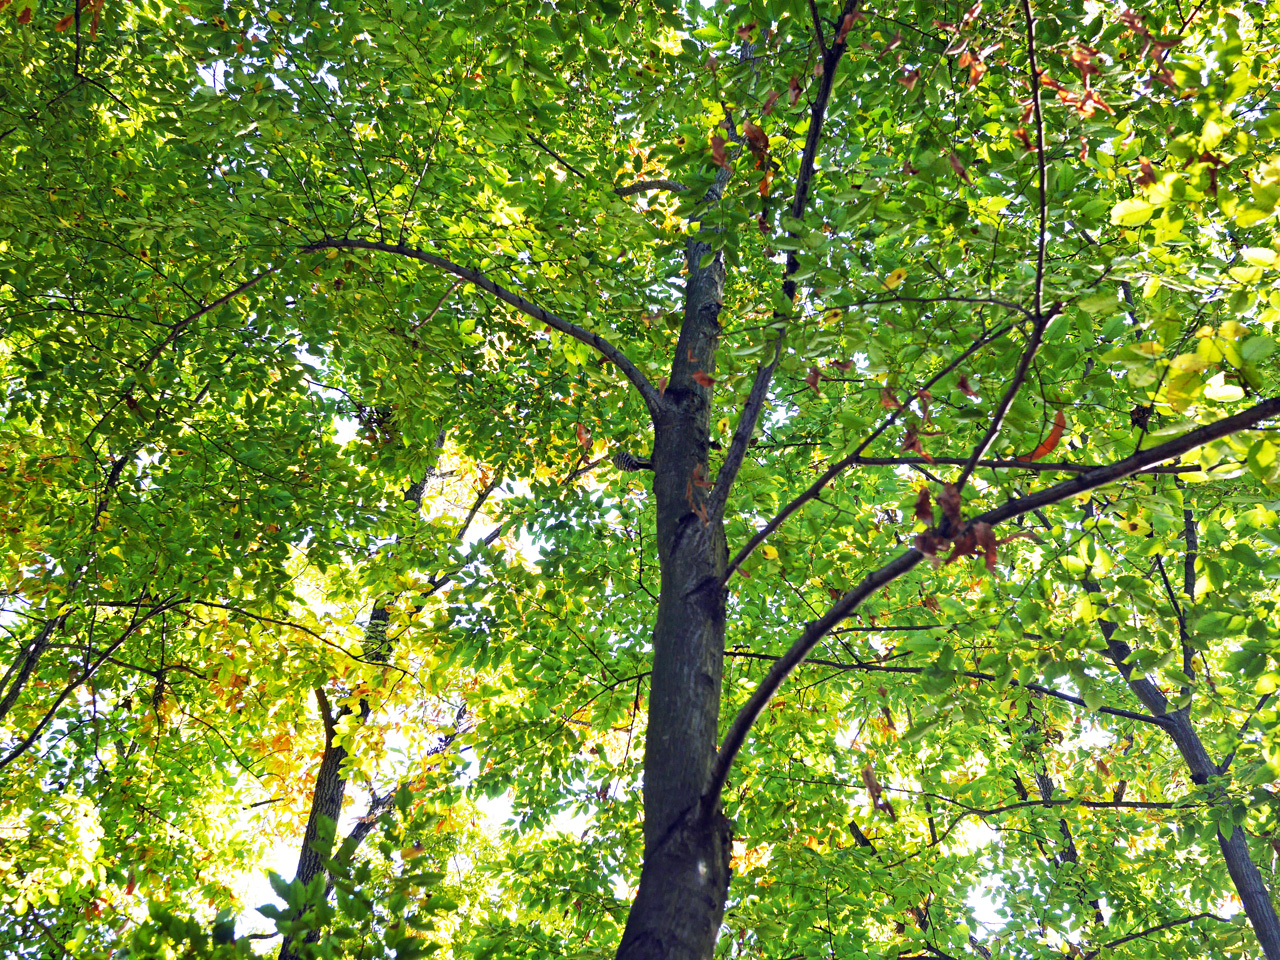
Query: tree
[[731, 318]]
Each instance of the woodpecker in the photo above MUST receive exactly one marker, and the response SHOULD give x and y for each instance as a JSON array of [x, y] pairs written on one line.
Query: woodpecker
[[627, 462]]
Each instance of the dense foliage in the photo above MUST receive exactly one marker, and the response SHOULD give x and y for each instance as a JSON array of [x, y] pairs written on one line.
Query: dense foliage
[[337, 337]]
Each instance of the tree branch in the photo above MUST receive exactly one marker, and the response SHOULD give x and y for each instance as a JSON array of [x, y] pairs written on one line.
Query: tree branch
[[641, 186], [835, 469], [1156, 929], [971, 674], [764, 374], [530, 309], [1040, 317], [736, 735]]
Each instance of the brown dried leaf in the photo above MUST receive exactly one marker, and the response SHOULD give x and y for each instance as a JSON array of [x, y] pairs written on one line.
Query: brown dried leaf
[[924, 396], [793, 91], [872, 783], [744, 31], [769, 101], [967, 390], [812, 379], [717, 153], [924, 507], [757, 139], [958, 166], [1146, 175], [888, 400], [962, 547], [986, 540], [702, 379], [845, 26], [909, 79], [949, 501]]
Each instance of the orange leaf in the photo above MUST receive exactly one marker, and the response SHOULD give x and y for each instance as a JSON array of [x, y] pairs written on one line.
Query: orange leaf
[[889, 401], [1051, 441], [702, 379], [765, 182], [65, 22], [700, 477], [584, 436]]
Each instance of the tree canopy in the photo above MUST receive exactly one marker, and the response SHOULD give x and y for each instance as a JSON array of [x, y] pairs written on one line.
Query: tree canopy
[[814, 464]]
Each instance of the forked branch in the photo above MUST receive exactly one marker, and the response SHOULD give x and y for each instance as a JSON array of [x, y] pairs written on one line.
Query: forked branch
[[736, 735], [804, 180]]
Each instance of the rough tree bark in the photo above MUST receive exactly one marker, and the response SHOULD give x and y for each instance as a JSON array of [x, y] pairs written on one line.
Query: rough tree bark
[[685, 879]]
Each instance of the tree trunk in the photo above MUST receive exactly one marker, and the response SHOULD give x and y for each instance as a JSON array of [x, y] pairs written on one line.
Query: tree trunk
[[1245, 874], [685, 879]]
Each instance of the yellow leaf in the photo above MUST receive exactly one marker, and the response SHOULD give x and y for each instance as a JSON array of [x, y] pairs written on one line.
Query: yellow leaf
[[118, 192], [769, 553], [894, 279], [1232, 330], [1187, 363], [275, 16], [1216, 389]]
